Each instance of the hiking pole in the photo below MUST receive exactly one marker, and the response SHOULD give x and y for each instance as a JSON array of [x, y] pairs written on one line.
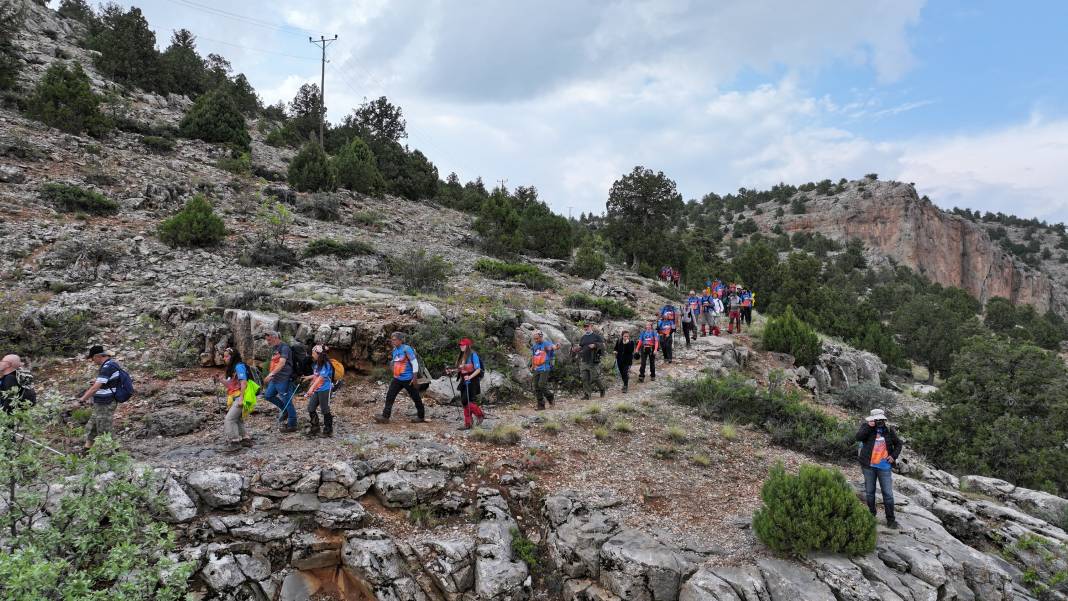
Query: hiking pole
[[43, 446], [290, 399]]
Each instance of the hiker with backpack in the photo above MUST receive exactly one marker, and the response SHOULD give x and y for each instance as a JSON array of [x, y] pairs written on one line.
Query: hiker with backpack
[[878, 449], [648, 344], [667, 325], [111, 386], [688, 318], [624, 357], [16, 384], [404, 365], [589, 350], [319, 390], [279, 380], [695, 306], [734, 306], [708, 313], [240, 386], [747, 306], [541, 364], [469, 376]]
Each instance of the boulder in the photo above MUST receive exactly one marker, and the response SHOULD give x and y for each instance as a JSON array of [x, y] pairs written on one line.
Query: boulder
[[300, 502], [218, 488], [221, 573], [340, 515], [9, 174], [312, 551], [371, 556], [172, 422], [451, 563], [180, 507], [705, 585], [636, 566], [498, 575], [401, 488]]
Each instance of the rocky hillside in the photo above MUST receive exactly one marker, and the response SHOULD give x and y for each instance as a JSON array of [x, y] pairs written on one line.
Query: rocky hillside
[[632, 497], [899, 228]]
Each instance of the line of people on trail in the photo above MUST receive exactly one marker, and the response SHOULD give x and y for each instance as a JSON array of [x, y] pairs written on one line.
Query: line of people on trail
[[670, 275], [716, 300]]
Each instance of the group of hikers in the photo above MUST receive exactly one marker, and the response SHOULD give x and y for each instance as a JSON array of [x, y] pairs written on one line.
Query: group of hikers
[[670, 275]]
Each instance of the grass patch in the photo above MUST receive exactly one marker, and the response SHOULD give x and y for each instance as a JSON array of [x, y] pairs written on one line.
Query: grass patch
[[501, 434], [366, 218], [593, 409], [622, 425], [701, 460], [729, 431], [422, 516], [780, 413], [72, 199], [676, 434], [552, 427], [528, 275], [602, 434], [158, 144], [329, 246], [665, 453], [607, 306], [625, 408], [524, 549]]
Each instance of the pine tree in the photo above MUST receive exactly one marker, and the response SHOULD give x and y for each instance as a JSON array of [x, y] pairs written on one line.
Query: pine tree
[[214, 117], [311, 170], [196, 225], [65, 100], [357, 169]]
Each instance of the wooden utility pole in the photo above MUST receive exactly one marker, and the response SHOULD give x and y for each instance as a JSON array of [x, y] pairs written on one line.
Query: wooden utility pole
[[322, 41]]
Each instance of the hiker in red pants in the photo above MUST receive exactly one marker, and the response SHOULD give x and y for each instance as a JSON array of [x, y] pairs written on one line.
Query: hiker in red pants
[[734, 304], [468, 375]]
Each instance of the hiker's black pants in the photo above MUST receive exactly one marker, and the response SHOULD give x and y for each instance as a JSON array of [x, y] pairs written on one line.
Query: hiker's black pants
[[624, 371], [541, 388], [665, 345], [747, 315], [394, 389], [650, 355], [689, 328]]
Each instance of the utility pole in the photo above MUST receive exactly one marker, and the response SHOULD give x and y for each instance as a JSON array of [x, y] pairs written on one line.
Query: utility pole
[[502, 182], [322, 41]]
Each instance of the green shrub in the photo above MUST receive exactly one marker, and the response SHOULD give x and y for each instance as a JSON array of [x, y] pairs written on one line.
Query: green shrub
[[321, 206], [329, 246], [436, 339], [11, 22], [420, 271], [529, 275], [588, 262], [781, 413], [816, 510], [239, 164], [215, 117], [357, 169], [607, 306], [283, 136], [865, 397], [42, 334], [158, 143], [311, 171], [788, 334], [552, 427], [196, 225], [72, 199], [64, 99], [366, 218], [524, 549]]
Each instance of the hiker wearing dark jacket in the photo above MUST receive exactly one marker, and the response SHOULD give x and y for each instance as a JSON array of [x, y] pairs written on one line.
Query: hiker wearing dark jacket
[[624, 357], [589, 349], [879, 450]]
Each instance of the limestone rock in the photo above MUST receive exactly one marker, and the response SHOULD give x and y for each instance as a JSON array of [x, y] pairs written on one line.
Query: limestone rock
[[636, 566], [400, 488], [180, 508], [218, 488]]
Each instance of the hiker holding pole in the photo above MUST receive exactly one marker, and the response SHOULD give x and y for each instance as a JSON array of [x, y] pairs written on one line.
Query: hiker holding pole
[[280, 385], [468, 376]]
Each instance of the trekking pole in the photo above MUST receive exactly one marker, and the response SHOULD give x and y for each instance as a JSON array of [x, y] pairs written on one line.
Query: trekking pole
[[43, 446], [290, 399]]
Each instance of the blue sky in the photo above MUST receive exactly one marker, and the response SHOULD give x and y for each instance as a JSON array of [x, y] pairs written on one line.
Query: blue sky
[[966, 99]]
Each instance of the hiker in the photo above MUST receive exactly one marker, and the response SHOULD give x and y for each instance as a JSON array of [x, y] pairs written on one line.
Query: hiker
[[676, 278], [405, 365], [879, 450], [589, 350], [541, 363], [237, 381], [694, 308], [16, 384], [688, 319], [648, 344], [103, 394], [747, 305], [666, 327], [469, 376], [280, 384], [708, 312], [319, 391], [624, 357], [734, 315]]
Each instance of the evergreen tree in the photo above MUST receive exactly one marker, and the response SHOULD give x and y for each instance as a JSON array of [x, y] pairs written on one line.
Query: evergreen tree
[[641, 207], [788, 334], [378, 120], [64, 99], [245, 97], [357, 169], [311, 170], [79, 10], [185, 69], [498, 225], [196, 225], [10, 22], [304, 112], [931, 332], [127, 48], [214, 117]]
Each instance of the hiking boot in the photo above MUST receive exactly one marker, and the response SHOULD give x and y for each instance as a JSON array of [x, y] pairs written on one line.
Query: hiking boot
[[624, 389], [641, 379], [652, 378], [379, 419], [418, 420], [287, 429], [479, 419], [328, 426], [892, 525]]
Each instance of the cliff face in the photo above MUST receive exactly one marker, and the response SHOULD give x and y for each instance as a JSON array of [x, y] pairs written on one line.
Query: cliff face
[[894, 223]]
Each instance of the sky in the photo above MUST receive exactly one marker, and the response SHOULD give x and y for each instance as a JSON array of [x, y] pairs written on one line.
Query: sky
[[968, 99]]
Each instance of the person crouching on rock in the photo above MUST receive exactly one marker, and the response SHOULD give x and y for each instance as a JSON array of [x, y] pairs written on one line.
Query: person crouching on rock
[[648, 344], [405, 365], [624, 357], [319, 391], [237, 378], [880, 448], [469, 376]]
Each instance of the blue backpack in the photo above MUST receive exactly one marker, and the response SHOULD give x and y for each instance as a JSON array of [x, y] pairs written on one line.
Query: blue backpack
[[125, 389]]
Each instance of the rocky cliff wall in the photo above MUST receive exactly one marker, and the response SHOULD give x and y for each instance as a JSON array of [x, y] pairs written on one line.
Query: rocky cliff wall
[[894, 223]]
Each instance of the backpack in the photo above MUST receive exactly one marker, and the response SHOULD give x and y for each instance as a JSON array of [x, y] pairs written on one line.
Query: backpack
[[302, 365], [254, 374], [339, 371], [125, 389], [25, 382]]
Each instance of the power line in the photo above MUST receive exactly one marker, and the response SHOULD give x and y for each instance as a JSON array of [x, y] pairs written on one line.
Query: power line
[[260, 50], [290, 29], [323, 42]]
